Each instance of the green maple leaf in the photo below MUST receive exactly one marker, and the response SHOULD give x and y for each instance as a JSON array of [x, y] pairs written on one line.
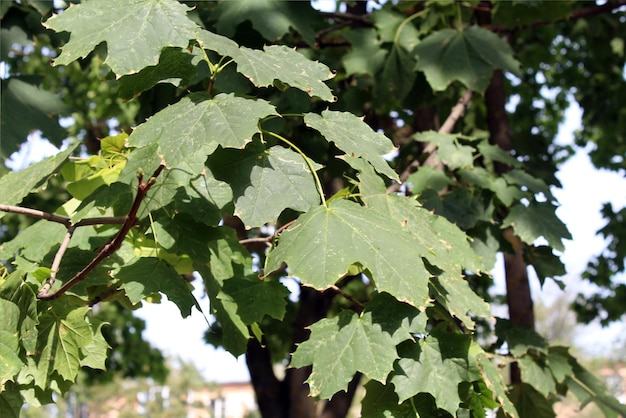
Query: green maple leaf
[[469, 56], [354, 137], [265, 182], [449, 150], [366, 55], [443, 244], [150, 275], [95, 353], [255, 298], [341, 346], [537, 220], [135, 31], [10, 362], [322, 244], [278, 62], [16, 185], [186, 132], [381, 401], [436, 364], [272, 18], [274, 62], [63, 332]]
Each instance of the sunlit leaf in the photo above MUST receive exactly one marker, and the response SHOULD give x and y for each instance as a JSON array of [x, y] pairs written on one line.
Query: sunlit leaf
[[132, 30]]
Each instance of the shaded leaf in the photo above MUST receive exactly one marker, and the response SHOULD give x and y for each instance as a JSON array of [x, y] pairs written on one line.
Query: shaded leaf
[[469, 56], [150, 275], [255, 297], [27, 108], [366, 55], [400, 320], [176, 66], [135, 31], [265, 182], [494, 381], [272, 18], [537, 220], [341, 346]]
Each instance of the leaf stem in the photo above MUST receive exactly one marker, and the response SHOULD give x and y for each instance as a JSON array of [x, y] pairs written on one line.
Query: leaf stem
[[318, 183]]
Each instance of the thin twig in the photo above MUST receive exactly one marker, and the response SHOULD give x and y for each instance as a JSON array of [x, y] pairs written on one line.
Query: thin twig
[[67, 222], [351, 298], [36, 214], [431, 149], [54, 269], [110, 247], [265, 240]]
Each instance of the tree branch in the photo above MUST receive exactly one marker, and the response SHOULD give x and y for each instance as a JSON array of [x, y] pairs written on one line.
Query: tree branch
[[448, 125], [608, 7], [67, 222], [110, 247]]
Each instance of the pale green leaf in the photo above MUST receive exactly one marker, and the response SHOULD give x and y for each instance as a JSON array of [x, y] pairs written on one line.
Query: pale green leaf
[[10, 362], [469, 56], [150, 275], [35, 241], [95, 353], [537, 375], [18, 184], [341, 346], [537, 220], [135, 31], [265, 182], [428, 177], [354, 137], [322, 244], [436, 364], [493, 379]]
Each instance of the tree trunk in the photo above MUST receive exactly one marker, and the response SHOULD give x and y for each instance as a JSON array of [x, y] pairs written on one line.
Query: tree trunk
[[519, 299]]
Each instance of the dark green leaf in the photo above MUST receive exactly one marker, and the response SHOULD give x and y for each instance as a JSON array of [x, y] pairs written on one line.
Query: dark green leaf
[[26, 108], [469, 56], [537, 220], [265, 182], [150, 275]]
